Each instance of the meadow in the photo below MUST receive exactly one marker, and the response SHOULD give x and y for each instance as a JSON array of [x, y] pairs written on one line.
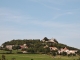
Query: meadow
[[36, 57]]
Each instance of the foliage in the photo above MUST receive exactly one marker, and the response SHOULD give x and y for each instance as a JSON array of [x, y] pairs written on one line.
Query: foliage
[[14, 47], [64, 53], [46, 50], [55, 40], [31, 50], [54, 53], [24, 49], [46, 39], [37, 46], [8, 51], [3, 57], [78, 52], [70, 54]]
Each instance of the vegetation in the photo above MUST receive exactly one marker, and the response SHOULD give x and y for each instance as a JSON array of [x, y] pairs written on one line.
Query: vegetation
[[36, 46], [36, 57], [36, 43]]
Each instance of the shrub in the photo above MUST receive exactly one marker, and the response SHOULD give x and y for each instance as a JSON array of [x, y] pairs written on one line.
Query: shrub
[[19, 52], [31, 59], [13, 58], [64, 53], [3, 57]]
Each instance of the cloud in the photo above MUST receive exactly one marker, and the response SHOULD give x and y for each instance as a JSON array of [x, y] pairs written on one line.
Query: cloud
[[18, 18], [49, 1], [62, 14], [8, 16], [44, 3], [69, 13]]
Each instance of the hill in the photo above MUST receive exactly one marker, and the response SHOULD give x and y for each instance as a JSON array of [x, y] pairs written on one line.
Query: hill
[[51, 42], [40, 46]]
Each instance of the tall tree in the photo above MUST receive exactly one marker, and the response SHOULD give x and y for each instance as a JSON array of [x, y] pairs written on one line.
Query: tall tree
[[46, 39]]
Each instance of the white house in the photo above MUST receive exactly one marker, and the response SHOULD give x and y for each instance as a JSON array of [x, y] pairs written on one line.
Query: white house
[[9, 47], [67, 51], [53, 48], [50, 40]]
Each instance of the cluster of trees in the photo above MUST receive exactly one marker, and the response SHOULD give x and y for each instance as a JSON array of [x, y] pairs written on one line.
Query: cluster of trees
[[20, 42]]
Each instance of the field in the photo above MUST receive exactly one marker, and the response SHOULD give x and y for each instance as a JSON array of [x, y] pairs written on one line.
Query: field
[[36, 57]]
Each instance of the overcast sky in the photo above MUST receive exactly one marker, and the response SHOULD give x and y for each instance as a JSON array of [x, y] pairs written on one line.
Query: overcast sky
[[36, 19]]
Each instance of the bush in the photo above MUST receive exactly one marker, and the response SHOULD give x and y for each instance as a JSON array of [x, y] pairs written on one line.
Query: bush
[[54, 53], [64, 53], [74, 54], [6, 49], [19, 52], [31, 59], [3, 57], [70, 54], [24, 49]]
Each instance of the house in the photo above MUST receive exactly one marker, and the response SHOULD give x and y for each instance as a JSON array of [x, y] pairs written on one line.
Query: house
[[23, 46], [2, 46], [53, 48], [46, 46], [72, 52], [9, 47], [67, 51], [52, 40]]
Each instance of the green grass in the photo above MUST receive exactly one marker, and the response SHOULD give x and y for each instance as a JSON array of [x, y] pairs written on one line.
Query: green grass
[[13, 51], [36, 57]]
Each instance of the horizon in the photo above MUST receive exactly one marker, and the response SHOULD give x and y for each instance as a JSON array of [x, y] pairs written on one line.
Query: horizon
[[24, 19]]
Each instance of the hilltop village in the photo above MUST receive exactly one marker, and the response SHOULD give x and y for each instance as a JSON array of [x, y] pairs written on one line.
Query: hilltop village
[[44, 46]]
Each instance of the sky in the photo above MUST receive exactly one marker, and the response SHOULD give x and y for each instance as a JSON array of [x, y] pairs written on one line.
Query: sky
[[36, 19]]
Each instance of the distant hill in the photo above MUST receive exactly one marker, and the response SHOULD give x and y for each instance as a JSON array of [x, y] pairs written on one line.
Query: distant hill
[[50, 42], [47, 46]]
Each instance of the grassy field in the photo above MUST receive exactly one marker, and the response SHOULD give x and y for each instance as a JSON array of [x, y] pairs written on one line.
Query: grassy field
[[13, 51], [36, 57]]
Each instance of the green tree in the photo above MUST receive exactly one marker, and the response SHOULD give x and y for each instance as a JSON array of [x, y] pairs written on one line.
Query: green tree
[[64, 53], [47, 50], [46, 39], [54, 53], [55, 40]]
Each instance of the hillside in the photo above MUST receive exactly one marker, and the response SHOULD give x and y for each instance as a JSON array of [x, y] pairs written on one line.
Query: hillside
[[50, 43], [45, 45]]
